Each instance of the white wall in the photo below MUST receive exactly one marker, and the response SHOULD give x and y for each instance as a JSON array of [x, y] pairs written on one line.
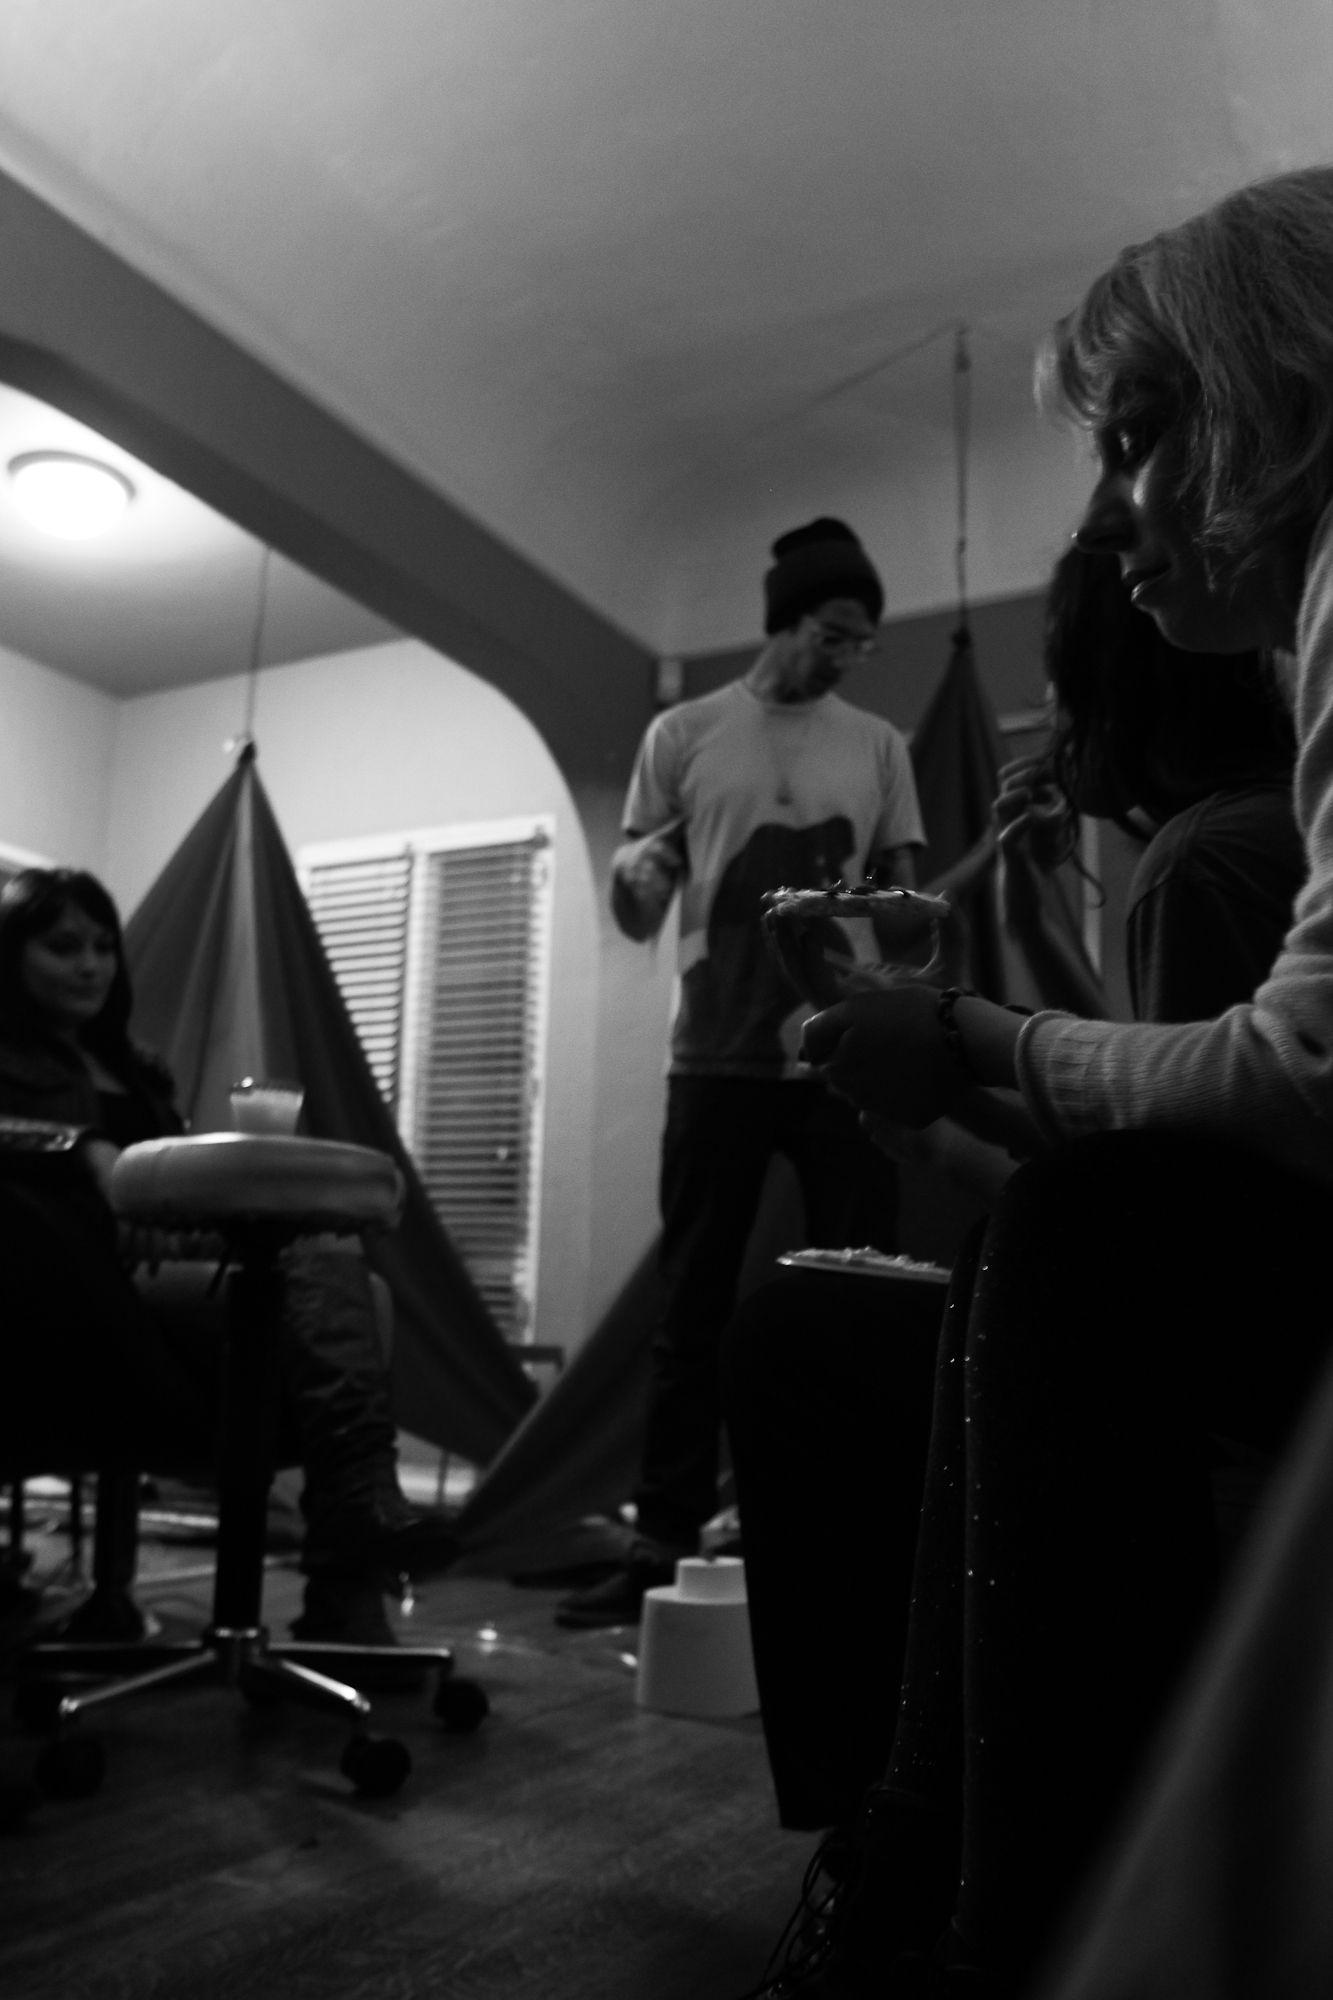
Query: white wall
[[57, 738], [380, 741]]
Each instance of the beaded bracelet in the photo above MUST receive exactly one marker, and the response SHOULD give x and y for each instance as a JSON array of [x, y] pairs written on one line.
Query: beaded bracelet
[[953, 1039], [952, 1033]]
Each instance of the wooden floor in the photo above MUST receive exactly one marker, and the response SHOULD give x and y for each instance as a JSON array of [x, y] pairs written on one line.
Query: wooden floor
[[575, 1848]]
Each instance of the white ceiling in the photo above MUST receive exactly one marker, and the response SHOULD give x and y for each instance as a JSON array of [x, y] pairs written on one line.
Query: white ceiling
[[625, 278]]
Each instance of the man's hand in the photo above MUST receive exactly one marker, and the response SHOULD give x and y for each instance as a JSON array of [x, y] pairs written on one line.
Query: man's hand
[[884, 1051], [644, 875]]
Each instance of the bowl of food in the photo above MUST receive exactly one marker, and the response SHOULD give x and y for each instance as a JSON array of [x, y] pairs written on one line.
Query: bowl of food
[[835, 942]]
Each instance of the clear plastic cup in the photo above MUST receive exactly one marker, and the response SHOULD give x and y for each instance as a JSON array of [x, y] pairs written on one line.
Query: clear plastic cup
[[266, 1105]]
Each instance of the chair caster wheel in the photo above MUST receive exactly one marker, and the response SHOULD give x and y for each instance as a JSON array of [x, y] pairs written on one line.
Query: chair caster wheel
[[375, 1765], [461, 1705], [37, 1704], [71, 1768]]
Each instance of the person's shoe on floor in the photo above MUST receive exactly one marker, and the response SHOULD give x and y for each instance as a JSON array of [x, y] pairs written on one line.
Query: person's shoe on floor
[[108, 1615], [349, 1611], [618, 1598], [874, 1888]]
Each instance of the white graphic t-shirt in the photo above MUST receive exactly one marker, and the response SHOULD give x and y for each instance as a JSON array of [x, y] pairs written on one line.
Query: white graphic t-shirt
[[767, 795]]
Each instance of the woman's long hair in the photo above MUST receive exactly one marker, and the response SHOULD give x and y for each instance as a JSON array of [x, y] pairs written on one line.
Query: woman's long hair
[[1141, 726], [1222, 329], [30, 905]]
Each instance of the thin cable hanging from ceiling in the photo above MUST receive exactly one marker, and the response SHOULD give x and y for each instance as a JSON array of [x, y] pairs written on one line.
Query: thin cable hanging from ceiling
[[962, 445], [243, 746]]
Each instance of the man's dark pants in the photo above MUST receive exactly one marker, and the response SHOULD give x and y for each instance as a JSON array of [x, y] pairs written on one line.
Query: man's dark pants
[[721, 1135]]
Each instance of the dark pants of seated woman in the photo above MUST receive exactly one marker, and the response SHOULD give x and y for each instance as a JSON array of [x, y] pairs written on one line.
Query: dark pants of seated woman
[[1137, 1298], [826, 1388], [97, 1372]]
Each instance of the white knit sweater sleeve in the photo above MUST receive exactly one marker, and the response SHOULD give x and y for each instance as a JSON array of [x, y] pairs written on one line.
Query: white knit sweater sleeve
[[1261, 1074]]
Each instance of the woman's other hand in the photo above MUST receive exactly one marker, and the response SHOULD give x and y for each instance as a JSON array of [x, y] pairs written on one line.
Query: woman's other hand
[[947, 1147], [1031, 813]]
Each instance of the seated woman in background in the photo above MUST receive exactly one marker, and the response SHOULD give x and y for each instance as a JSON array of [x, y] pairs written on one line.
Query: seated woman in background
[[1192, 754], [94, 1377], [1189, 754]]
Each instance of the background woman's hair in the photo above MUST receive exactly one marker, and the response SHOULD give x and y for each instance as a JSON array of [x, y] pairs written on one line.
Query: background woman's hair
[[1223, 327], [1140, 724], [31, 904]]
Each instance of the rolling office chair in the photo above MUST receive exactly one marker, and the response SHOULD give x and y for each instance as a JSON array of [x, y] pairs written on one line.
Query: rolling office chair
[[260, 1193]]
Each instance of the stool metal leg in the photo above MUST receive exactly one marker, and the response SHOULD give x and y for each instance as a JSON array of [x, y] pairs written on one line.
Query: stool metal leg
[[248, 1438]]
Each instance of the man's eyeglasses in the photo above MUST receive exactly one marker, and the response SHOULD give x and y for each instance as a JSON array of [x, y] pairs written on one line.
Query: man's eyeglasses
[[832, 639]]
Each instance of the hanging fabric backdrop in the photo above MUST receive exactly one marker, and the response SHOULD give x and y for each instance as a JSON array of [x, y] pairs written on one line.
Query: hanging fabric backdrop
[[231, 980]]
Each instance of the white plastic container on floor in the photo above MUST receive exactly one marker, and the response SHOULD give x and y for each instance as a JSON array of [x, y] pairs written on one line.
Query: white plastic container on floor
[[694, 1642]]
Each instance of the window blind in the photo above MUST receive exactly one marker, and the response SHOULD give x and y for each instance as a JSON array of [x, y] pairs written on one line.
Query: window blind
[[360, 909], [476, 1009], [440, 944]]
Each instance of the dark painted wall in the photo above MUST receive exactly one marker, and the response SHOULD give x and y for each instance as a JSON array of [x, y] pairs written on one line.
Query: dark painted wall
[[913, 654]]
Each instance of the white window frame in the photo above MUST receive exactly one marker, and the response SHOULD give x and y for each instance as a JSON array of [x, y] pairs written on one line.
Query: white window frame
[[535, 831]]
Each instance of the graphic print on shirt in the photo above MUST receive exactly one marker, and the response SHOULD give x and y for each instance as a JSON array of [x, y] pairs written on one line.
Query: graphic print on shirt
[[735, 999]]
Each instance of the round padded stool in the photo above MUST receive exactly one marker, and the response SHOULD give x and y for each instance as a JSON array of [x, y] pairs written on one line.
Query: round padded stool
[[260, 1193], [239, 1182]]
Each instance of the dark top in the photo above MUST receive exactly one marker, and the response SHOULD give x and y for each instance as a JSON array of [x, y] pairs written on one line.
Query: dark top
[[1210, 903], [42, 1077]]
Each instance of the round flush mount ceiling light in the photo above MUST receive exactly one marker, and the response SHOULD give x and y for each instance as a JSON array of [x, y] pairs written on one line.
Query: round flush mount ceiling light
[[68, 495]]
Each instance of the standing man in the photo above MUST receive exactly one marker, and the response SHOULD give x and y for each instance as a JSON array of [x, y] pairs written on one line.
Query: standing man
[[771, 781]]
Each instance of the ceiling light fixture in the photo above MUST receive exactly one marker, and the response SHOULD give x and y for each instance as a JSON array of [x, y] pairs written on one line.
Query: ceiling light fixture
[[66, 494]]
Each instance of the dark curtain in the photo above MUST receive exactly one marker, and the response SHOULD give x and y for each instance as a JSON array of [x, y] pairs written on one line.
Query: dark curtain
[[956, 756], [578, 1452], [231, 980]]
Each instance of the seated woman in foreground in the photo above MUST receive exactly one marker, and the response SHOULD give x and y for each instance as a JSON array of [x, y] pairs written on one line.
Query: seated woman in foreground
[[1192, 755], [1144, 1283], [93, 1377]]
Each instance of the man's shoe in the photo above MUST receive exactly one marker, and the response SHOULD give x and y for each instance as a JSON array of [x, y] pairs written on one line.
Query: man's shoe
[[872, 1887], [349, 1611], [419, 1545], [107, 1615], [618, 1598], [380, 1530]]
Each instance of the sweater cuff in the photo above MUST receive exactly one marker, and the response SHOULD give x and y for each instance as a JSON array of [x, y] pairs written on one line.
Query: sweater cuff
[[1050, 1063]]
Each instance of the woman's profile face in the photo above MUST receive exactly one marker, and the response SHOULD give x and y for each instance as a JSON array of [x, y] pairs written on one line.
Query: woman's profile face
[[67, 970], [1136, 514]]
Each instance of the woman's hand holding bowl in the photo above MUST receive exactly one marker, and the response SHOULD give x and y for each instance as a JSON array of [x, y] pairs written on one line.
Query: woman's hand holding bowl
[[885, 1052]]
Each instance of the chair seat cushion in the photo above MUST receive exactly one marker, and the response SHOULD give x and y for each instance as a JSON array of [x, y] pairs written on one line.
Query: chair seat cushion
[[217, 1178]]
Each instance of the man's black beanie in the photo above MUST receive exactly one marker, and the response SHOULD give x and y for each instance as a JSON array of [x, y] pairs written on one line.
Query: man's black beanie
[[813, 564]]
